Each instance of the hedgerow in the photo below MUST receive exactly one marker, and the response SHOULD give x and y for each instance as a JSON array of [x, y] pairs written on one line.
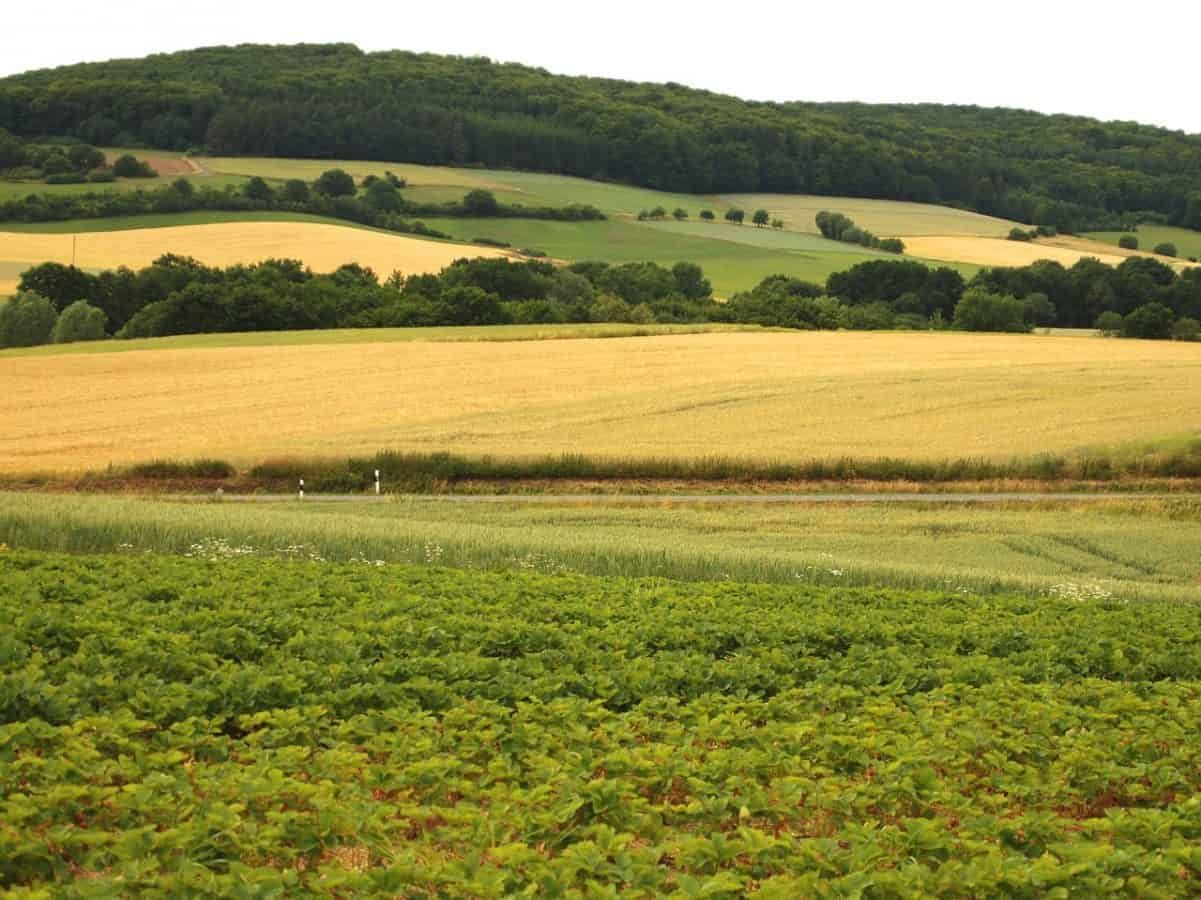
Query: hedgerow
[[238, 726]]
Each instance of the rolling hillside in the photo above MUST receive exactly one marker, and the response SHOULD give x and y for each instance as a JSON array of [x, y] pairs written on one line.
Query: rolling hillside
[[335, 101]]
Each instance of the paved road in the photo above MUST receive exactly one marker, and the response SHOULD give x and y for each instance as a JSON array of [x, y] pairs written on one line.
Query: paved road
[[697, 499]]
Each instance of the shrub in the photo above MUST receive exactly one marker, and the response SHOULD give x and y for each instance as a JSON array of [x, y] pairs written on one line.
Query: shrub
[[1186, 329], [129, 166], [26, 320], [490, 242], [480, 203], [1109, 323], [1020, 234], [183, 187], [85, 157], [532, 253], [1128, 242], [1167, 248], [102, 176], [1039, 309], [56, 164], [79, 322], [67, 178], [384, 196], [891, 245], [1151, 320], [642, 314], [257, 189], [980, 310], [296, 191], [609, 308], [679, 214]]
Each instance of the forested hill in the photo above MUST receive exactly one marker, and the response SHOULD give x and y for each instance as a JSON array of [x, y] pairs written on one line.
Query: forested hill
[[336, 101]]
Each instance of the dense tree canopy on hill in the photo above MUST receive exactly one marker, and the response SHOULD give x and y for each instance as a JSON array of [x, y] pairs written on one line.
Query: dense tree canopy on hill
[[334, 101]]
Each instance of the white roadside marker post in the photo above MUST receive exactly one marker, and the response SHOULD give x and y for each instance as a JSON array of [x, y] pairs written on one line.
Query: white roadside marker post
[[302, 489], [377, 482]]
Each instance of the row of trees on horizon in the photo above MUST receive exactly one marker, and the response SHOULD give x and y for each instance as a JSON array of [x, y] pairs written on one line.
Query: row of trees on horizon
[[178, 295]]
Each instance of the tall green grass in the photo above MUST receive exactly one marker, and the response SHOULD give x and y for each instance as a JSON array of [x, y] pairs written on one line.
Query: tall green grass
[[1119, 548], [426, 472]]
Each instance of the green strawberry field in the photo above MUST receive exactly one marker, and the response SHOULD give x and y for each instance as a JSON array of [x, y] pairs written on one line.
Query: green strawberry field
[[175, 726]]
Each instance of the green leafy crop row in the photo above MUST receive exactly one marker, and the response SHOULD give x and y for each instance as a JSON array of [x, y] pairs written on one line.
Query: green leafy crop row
[[249, 727]]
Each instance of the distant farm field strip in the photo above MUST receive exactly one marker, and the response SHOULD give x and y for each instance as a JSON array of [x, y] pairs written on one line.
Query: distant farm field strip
[[887, 218], [756, 395], [986, 251], [322, 247]]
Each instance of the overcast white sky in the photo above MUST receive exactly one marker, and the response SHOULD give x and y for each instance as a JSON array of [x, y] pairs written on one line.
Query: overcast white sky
[[1113, 59]]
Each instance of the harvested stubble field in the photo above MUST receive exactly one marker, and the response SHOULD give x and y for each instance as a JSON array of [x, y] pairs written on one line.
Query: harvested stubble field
[[754, 395], [322, 247]]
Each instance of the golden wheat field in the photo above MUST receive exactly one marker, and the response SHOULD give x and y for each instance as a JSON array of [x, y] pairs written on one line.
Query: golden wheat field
[[322, 247], [990, 251], [760, 395]]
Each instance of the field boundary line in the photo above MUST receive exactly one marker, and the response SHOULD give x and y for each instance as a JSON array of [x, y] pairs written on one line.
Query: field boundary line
[[687, 499]]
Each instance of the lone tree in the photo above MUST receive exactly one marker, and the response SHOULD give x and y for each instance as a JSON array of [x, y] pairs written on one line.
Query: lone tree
[[129, 166], [335, 183], [707, 215], [760, 218], [1128, 242], [679, 214], [735, 215], [1167, 248]]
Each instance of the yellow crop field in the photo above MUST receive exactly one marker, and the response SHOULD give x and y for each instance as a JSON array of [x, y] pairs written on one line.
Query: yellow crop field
[[887, 218], [987, 251], [757, 395], [322, 247]]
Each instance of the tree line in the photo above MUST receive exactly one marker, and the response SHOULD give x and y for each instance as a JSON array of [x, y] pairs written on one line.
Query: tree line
[[380, 203], [837, 227], [335, 101], [178, 295], [64, 162]]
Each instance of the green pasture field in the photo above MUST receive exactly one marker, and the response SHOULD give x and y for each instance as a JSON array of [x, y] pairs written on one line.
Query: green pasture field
[[1188, 243], [1130, 549], [440, 184], [457, 333], [228, 726], [735, 258], [729, 265]]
